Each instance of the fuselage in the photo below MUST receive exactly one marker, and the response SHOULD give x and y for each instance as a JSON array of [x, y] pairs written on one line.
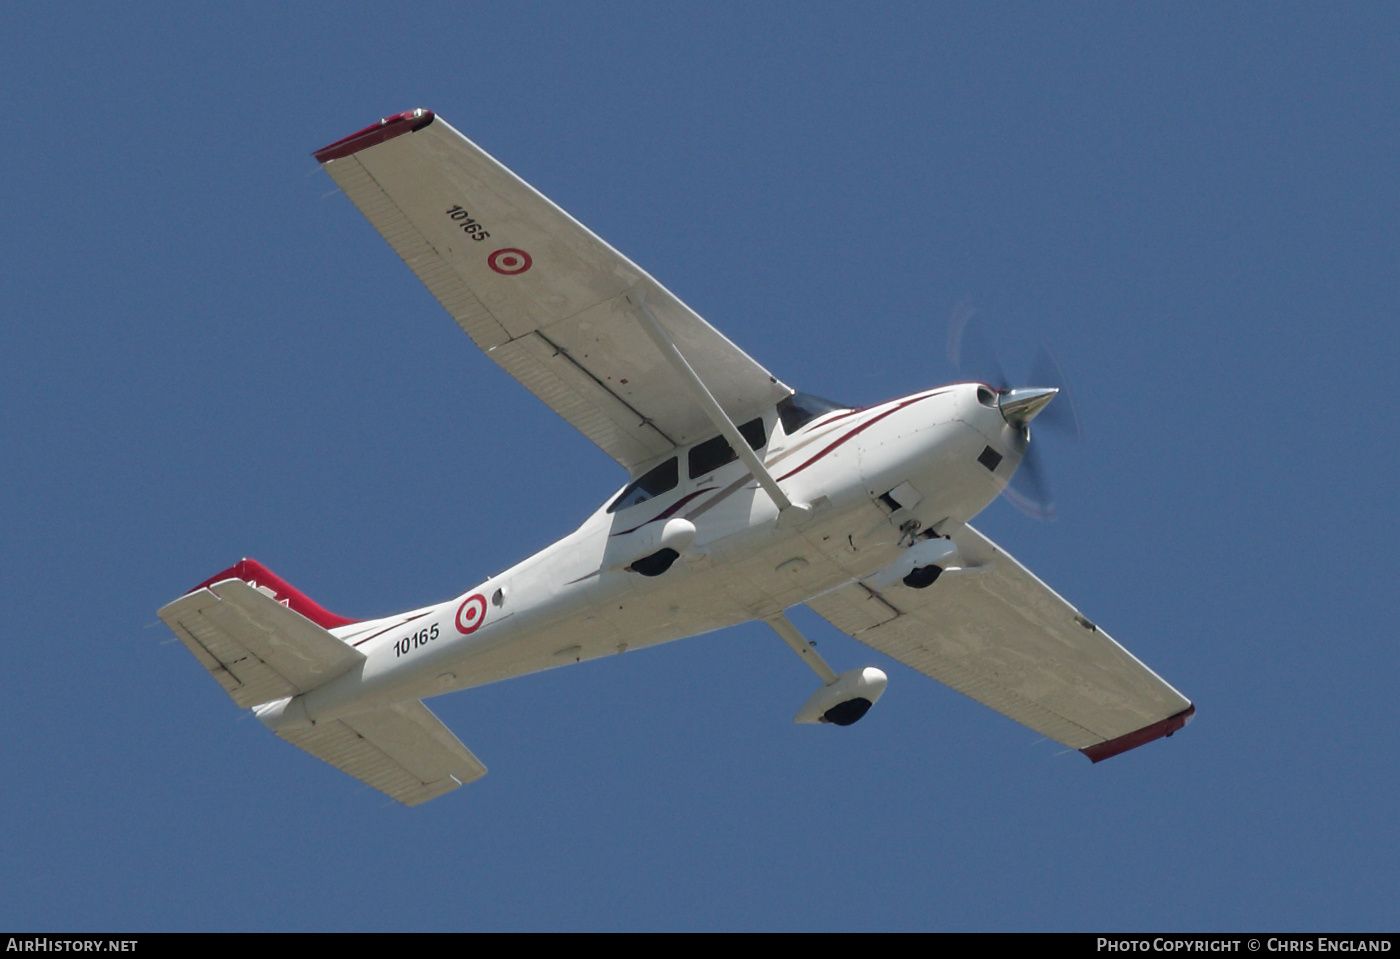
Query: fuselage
[[679, 552]]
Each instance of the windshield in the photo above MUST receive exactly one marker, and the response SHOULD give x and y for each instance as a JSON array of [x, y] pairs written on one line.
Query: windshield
[[799, 409]]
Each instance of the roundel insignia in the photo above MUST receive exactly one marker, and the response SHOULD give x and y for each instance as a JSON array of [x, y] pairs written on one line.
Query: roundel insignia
[[471, 614], [509, 261]]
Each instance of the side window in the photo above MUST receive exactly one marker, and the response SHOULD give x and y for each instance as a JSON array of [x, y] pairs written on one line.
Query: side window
[[710, 455], [653, 482]]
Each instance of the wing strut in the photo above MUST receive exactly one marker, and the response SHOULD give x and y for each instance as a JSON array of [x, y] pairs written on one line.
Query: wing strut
[[787, 509], [784, 628]]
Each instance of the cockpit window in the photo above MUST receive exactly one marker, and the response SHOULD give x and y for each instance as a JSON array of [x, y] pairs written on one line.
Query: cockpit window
[[710, 455], [799, 409], [653, 482]]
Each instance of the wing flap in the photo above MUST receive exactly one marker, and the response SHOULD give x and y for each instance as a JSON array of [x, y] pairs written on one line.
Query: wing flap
[[507, 264], [996, 633], [403, 750], [570, 390], [257, 649]]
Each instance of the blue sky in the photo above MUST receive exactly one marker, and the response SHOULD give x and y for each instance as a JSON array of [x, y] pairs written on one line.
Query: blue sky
[[209, 354]]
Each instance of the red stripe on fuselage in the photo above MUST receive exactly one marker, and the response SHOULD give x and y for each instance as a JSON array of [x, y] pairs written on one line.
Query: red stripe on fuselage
[[868, 423], [669, 511]]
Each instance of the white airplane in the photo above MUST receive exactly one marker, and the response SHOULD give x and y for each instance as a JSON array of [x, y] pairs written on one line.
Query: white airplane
[[745, 498]]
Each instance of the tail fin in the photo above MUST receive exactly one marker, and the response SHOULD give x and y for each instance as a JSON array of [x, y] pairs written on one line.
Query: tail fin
[[259, 637], [265, 581]]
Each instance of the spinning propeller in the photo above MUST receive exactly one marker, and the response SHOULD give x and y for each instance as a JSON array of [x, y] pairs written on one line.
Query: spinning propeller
[[968, 351]]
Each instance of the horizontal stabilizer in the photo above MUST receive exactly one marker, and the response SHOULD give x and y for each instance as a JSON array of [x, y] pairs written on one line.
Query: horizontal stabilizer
[[258, 649], [403, 750]]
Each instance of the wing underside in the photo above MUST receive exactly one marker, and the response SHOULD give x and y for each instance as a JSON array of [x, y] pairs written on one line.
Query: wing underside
[[993, 631], [539, 292]]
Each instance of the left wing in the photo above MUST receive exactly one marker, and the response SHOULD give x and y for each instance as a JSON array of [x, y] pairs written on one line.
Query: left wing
[[995, 632], [539, 292]]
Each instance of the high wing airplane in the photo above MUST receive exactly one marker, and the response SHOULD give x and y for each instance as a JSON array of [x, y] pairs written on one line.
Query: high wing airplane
[[745, 498]]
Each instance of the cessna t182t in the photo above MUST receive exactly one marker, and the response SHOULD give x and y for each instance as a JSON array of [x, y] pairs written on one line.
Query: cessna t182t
[[745, 498]]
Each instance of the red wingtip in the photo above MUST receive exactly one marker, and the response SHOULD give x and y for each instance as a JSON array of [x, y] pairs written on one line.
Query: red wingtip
[[1146, 734], [256, 574], [386, 129]]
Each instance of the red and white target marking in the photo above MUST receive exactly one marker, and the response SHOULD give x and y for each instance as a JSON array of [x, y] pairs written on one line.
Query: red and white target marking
[[509, 262], [471, 614]]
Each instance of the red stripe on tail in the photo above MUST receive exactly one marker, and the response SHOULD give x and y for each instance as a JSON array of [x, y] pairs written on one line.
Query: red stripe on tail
[[256, 574]]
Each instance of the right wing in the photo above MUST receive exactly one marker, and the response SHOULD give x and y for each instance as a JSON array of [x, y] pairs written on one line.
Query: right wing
[[539, 292], [993, 631]]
